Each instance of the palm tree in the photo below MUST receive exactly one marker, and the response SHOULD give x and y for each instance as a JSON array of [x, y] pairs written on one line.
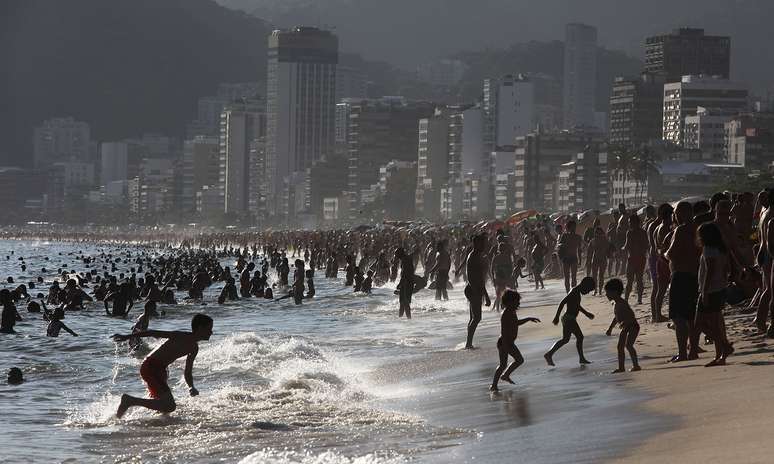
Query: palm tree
[[644, 161], [621, 162]]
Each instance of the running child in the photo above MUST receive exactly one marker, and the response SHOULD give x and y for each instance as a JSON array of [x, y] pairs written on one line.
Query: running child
[[570, 325], [154, 368], [509, 330], [630, 328]]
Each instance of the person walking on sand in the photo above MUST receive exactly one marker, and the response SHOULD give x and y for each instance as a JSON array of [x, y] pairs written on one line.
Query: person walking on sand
[[570, 325], [154, 368], [506, 344], [630, 328]]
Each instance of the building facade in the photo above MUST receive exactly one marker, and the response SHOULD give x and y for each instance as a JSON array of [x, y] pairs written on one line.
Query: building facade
[[686, 52], [432, 163], [301, 103], [705, 131], [682, 99], [241, 123], [580, 75], [636, 110], [380, 131], [114, 162], [750, 141], [538, 157], [582, 184], [60, 139]]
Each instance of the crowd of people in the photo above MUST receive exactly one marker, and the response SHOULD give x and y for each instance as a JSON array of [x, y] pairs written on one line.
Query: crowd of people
[[700, 255]]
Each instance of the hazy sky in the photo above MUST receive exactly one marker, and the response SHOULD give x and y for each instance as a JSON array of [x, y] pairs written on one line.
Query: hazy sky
[[406, 32]]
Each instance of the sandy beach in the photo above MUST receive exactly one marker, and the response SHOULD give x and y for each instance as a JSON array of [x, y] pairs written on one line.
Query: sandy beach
[[665, 413]]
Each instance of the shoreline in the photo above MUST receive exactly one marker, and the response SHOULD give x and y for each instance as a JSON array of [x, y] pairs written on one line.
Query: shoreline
[[700, 409], [554, 410]]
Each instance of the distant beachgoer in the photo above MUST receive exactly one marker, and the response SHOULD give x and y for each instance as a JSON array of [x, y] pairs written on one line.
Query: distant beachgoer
[[683, 255], [570, 325], [475, 290], [506, 344], [714, 269], [229, 292], [15, 376], [625, 318], [406, 283], [154, 368], [142, 323], [441, 270], [568, 249], [56, 325], [10, 315], [636, 249]]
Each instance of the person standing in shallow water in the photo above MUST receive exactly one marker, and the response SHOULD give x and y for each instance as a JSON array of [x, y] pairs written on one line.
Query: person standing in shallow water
[[475, 290], [406, 282], [570, 325]]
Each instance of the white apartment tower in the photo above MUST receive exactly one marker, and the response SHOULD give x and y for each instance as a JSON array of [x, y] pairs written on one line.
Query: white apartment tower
[[682, 99], [301, 103], [580, 75], [240, 124]]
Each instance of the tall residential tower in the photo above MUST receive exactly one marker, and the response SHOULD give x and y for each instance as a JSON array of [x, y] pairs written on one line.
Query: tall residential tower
[[580, 75], [301, 103]]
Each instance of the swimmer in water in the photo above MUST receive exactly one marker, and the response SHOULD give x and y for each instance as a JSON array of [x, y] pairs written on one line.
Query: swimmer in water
[[56, 324], [154, 368]]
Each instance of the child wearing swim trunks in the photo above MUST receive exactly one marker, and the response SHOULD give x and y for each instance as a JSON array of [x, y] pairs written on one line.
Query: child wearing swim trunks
[[154, 368], [570, 325], [630, 328], [509, 330]]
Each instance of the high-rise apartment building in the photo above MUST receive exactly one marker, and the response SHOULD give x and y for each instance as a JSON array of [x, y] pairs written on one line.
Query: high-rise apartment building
[[636, 109], [240, 124], [705, 131], [686, 52], [432, 163], [301, 103], [201, 167], [509, 110], [682, 99], [466, 157], [580, 75], [380, 131], [582, 184], [538, 157], [114, 162], [60, 139]]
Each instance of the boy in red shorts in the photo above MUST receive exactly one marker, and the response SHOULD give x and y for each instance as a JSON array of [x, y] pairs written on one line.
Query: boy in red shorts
[[154, 368]]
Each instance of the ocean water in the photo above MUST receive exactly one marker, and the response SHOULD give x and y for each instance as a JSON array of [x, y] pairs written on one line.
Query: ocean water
[[278, 383]]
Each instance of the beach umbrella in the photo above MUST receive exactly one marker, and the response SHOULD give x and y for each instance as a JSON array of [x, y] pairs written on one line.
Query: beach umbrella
[[520, 216], [690, 200]]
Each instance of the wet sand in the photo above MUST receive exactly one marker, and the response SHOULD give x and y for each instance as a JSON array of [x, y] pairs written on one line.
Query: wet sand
[[562, 414]]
